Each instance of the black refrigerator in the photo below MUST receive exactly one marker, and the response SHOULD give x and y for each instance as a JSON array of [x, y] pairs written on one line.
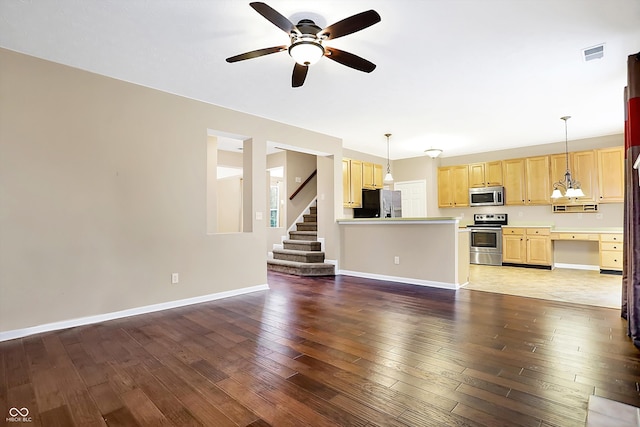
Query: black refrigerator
[[379, 204]]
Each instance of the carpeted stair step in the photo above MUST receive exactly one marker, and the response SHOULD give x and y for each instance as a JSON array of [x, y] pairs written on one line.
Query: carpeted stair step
[[310, 217], [307, 226], [301, 268], [298, 256], [301, 245], [313, 210], [303, 235]]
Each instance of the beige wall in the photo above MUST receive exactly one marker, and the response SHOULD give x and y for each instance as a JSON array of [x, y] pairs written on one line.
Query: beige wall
[[103, 195], [229, 211], [299, 165], [427, 252]]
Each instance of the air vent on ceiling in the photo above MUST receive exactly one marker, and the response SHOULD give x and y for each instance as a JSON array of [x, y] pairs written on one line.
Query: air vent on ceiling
[[594, 52]]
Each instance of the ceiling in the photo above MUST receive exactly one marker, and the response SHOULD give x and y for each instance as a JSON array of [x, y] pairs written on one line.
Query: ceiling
[[464, 76]]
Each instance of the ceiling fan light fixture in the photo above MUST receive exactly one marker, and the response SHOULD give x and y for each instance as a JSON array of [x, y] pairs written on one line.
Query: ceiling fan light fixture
[[306, 52], [433, 152]]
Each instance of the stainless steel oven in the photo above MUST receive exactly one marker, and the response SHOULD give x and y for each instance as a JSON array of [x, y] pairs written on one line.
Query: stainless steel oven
[[486, 239]]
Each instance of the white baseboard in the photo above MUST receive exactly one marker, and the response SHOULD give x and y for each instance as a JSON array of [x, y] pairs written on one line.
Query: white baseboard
[[577, 266], [407, 280], [64, 324]]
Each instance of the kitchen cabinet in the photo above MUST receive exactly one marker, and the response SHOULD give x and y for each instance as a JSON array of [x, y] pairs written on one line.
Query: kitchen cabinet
[[371, 175], [351, 183], [485, 174], [453, 186], [526, 181], [611, 174], [524, 245], [514, 181], [514, 245], [538, 180], [611, 251], [583, 167]]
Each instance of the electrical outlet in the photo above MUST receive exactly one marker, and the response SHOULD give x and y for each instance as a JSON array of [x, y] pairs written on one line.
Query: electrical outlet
[[598, 216], [298, 180], [175, 278], [396, 260], [258, 216]]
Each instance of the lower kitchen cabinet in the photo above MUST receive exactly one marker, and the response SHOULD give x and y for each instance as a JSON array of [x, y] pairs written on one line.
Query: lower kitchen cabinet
[[527, 246], [611, 252]]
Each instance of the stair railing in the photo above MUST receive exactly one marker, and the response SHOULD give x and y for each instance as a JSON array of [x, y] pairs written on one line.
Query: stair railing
[[306, 181]]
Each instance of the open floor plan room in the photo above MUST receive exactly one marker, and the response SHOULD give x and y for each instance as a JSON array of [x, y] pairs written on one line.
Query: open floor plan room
[[330, 351]]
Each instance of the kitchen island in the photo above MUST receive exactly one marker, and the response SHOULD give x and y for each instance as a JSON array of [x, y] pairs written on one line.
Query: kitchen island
[[420, 251]]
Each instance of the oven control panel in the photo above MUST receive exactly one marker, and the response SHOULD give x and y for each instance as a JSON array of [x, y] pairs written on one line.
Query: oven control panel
[[490, 218]]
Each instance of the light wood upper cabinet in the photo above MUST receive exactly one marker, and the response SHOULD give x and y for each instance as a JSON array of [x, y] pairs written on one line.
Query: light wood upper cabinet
[[485, 174], [611, 174], [529, 181], [514, 181], [493, 173], [476, 175], [371, 175], [538, 187], [453, 186], [526, 181], [377, 175], [583, 167], [351, 183]]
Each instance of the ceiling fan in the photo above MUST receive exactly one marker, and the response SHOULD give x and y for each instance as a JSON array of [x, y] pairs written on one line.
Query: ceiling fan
[[306, 46]]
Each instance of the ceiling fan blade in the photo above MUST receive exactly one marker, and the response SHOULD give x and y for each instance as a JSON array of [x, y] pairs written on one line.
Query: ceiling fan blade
[[350, 25], [299, 74], [273, 16], [256, 53], [349, 59]]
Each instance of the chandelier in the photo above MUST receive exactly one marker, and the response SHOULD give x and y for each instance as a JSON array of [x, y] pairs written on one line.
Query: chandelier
[[569, 185]]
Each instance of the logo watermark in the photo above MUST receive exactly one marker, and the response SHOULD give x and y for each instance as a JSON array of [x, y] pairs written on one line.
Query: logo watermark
[[19, 415]]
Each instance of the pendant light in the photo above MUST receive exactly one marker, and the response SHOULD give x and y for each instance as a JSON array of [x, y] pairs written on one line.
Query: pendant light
[[570, 186], [388, 178]]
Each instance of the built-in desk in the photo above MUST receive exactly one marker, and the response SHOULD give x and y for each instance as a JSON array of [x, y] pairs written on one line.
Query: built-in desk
[[609, 242]]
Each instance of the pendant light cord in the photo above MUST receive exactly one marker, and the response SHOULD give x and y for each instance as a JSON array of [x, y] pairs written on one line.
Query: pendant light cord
[[388, 166]]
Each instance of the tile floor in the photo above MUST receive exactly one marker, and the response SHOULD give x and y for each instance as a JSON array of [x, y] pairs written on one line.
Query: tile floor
[[559, 284]]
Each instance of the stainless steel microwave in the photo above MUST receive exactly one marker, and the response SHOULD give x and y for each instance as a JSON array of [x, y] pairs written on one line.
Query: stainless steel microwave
[[486, 196]]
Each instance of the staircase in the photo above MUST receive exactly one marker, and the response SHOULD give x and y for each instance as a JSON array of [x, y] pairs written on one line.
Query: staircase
[[301, 254]]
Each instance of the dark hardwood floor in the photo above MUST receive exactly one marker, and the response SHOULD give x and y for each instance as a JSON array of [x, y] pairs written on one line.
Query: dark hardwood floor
[[329, 351]]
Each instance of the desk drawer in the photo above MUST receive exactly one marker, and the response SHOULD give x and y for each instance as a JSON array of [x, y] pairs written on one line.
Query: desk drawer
[[577, 236], [610, 246], [611, 260], [611, 238]]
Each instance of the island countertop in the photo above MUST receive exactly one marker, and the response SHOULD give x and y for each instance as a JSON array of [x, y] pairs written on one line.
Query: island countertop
[[386, 221]]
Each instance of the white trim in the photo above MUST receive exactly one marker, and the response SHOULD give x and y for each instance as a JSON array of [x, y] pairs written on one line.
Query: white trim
[[577, 266], [64, 324], [407, 280]]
